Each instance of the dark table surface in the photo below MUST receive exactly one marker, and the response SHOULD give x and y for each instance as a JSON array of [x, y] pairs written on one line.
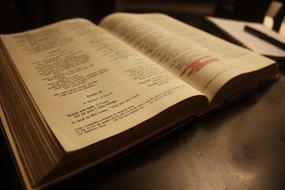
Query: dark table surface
[[239, 147]]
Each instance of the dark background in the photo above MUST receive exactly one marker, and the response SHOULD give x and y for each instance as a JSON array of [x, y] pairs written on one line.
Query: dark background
[[19, 15]]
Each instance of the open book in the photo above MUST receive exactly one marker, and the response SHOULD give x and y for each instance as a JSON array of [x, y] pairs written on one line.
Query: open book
[[74, 94]]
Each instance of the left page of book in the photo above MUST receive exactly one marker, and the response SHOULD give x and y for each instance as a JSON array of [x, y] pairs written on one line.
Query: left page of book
[[87, 84]]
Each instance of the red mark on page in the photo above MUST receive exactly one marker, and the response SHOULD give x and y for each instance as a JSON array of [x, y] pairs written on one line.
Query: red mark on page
[[197, 65]]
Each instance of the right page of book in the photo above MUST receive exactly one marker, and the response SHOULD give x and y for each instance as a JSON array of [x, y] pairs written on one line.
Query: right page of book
[[202, 60]]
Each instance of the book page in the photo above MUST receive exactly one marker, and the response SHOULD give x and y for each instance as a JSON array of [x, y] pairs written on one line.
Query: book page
[[203, 61], [87, 84]]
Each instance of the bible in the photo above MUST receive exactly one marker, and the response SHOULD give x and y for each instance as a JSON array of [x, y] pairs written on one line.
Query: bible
[[75, 94]]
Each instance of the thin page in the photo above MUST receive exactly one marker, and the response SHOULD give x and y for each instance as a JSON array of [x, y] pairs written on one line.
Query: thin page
[[87, 84], [203, 61]]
